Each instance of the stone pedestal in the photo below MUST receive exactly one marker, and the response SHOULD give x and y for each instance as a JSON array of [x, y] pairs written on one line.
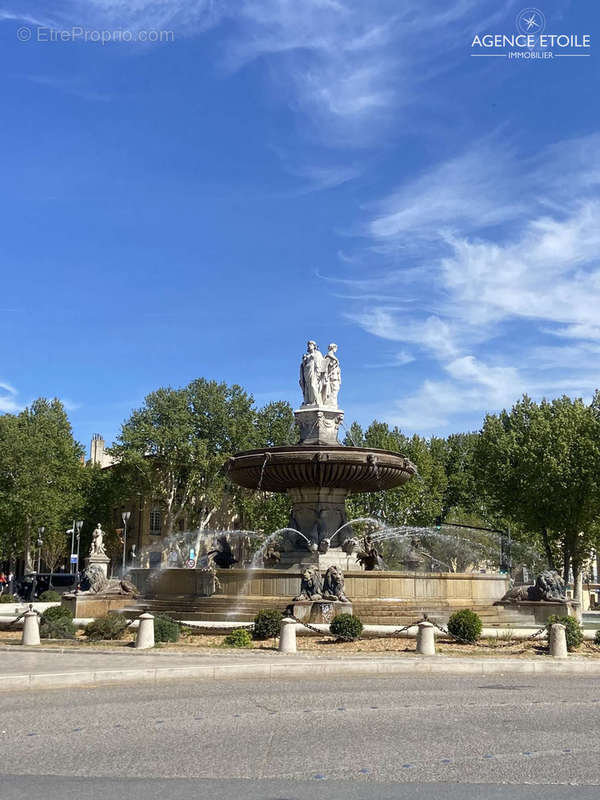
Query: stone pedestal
[[319, 424], [558, 641], [287, 635], [31, 628], [98, 561], [145, 634], [319, 611], [426, 639]]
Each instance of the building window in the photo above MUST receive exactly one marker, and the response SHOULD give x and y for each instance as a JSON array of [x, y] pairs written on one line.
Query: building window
[[155, 521]]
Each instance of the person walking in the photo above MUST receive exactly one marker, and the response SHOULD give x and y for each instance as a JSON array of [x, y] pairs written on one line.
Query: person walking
[[3, 583]]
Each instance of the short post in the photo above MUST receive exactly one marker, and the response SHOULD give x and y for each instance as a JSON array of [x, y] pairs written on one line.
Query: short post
[[425, 639], [31, 627], [287, 635], [145, 634], [558, 641]]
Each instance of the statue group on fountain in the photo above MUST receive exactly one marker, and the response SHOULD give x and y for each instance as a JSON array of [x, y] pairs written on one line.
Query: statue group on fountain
[[320, 376]]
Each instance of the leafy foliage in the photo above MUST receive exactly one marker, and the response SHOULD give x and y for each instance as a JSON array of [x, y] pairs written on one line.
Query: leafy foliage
[[419, 502], [239, 637], [346, 627], [50, 596], [266, 624], [573, 630], [540, 465], [597, 637], [57, 623], [111, 626], [166, 629], [466, 625], [8, 598], [40, 479]]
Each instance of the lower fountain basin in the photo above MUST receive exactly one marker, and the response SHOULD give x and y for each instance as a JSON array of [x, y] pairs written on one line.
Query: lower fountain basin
[[354, 469]]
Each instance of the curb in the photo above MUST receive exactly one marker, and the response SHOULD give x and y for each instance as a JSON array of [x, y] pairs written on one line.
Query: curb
[[401, 666]]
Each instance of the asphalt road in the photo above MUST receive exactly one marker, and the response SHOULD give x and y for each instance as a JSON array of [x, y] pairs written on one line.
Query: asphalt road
[[395, 737]]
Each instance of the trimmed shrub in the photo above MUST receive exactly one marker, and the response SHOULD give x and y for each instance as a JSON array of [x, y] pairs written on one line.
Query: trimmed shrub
[[597, 637], [57, 612], [166, 629], [49, 596], [466, 625], [111, 626], [266, 624], [8, 598], [239, 637], [346, 627], [57, 623], [573, 630]]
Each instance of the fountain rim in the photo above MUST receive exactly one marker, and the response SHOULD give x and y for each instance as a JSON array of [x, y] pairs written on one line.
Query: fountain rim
[[306, 448], [349, 469]]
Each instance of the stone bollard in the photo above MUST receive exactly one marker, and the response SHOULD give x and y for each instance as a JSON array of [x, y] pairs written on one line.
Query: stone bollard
[[558, 641], [145, 634], [287, 635], [31, 627], [426, 639]]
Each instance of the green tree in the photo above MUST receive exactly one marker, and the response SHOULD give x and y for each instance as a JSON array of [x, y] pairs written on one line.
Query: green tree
[[419, 501], [176, 444], [40, 477], [540, 466]]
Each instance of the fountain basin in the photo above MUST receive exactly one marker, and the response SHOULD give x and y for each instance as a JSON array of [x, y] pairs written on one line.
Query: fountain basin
[[354, 469], [377, 597]]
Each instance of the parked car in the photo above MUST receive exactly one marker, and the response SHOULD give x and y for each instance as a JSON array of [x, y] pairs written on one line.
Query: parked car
[[33, 585]]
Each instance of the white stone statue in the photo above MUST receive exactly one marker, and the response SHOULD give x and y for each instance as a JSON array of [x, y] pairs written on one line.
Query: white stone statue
[[312, 375], [332, 377], [97, 548]]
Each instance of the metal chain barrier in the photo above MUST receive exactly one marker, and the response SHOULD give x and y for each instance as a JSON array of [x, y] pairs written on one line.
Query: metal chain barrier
[[16, 619], [510, 643], [313, 628]]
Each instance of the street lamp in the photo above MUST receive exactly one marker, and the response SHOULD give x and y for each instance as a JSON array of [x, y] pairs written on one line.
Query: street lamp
[[79, 526], [40, 542], [125, 517]]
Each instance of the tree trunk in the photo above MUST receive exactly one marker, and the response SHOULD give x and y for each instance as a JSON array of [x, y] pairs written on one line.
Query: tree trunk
[[548, 549], [578, 591], [566, 564]]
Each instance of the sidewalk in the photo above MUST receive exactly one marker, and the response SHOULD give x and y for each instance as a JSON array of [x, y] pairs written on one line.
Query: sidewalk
[[32, 668]]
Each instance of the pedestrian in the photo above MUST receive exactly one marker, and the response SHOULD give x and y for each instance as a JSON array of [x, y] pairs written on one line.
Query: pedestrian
[[3, 583]]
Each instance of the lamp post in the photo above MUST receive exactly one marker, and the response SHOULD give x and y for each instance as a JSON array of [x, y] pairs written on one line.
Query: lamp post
[[40, 542], [125, 517], [78, 525]]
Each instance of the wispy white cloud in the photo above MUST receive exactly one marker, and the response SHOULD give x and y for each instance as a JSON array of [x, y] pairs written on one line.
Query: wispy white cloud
[[348, 66], [505, 270], [8, 398]]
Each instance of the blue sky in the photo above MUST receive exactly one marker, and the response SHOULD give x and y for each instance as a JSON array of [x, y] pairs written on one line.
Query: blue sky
[[279, 170]]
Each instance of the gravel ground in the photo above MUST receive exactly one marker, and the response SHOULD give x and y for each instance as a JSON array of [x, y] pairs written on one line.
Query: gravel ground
[[488, 648]]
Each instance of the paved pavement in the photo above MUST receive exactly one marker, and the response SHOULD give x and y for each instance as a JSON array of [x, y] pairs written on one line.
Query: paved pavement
[[418, 736], [36, 668]]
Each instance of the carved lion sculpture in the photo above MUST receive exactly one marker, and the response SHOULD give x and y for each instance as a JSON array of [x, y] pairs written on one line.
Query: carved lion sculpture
[[94, 581], [333, 585], [310, 585], [549, 587]]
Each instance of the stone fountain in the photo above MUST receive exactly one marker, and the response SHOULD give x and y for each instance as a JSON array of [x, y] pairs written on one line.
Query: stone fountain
[[319, 473], [318, 560]]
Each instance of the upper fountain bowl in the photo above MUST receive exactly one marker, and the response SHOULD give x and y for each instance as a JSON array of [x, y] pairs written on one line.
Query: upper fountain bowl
[[355, 469]]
